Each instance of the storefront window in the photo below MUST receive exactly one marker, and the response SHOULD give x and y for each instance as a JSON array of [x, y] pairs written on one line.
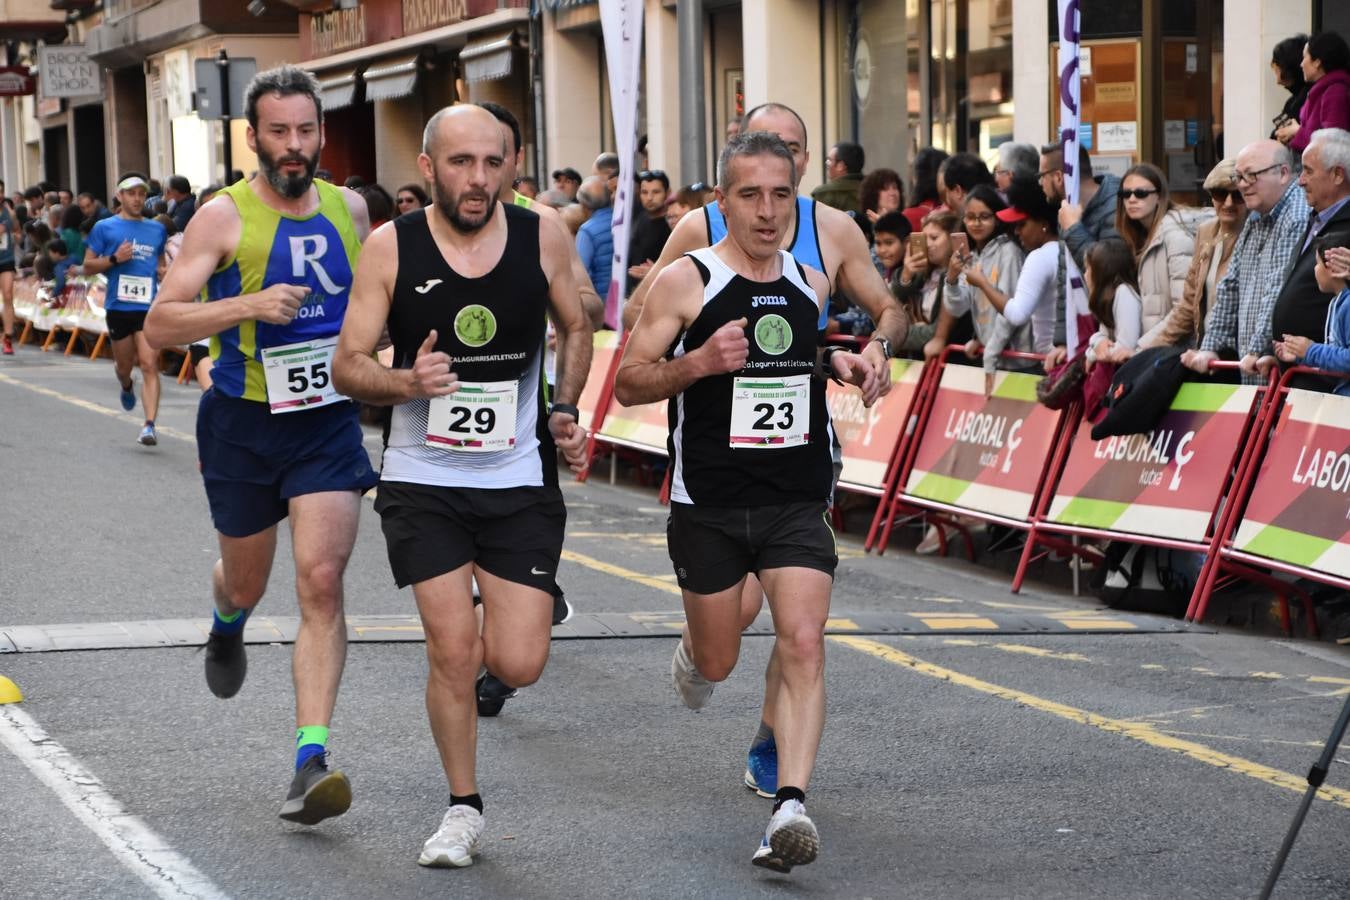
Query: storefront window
[[873, 84]]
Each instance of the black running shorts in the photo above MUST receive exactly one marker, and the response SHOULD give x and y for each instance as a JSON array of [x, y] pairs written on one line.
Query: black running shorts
[[714, 547], [513, 533], [124, 323]]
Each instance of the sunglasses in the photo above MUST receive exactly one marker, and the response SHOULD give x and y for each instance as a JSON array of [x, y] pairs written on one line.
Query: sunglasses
[[649, 174], [698, 186], [1220, 196], [1137, 193], [407, 198]]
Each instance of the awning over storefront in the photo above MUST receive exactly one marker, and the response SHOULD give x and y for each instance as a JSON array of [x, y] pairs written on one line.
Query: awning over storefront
[[489, 58], [391, 78], [31, 30], [337, 88]]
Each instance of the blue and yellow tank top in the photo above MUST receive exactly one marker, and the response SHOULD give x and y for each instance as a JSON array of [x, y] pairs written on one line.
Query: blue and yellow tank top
[[317, 251], [805, 247]]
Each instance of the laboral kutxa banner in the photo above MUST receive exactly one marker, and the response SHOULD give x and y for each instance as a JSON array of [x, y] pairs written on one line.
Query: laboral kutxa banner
[[1165, 482], [984, 453], [1299, 511], [868, 436]]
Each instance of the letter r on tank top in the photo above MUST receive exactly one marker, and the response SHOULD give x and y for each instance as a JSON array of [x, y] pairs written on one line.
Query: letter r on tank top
[[301, 254]]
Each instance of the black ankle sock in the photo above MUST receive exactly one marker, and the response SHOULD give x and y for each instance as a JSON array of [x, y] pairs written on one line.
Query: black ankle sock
[[787, 793], [473, 800]]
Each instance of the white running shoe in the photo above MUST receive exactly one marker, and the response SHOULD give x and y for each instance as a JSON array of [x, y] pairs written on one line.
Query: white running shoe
[[692, 687], [790, 840], [455, 843]]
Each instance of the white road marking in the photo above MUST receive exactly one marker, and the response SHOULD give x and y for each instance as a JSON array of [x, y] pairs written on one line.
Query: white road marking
[[146, 854]]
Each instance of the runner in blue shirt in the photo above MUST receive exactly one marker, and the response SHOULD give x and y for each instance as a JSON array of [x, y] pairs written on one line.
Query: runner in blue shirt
[[127, 248]]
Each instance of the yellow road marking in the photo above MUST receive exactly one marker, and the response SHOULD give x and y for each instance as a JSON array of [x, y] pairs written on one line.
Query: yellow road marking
[[94, 407], [944, 622], [1142, 732], [1327, 679], [1083, 624], [650, 581], [1027, 607]]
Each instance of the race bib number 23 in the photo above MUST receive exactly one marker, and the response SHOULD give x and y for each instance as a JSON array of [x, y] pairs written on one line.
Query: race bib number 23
[[770, 413]]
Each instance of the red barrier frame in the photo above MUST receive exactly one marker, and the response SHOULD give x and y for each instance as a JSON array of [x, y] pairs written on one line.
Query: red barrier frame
[[602, 406], [1242, 476], [1224, 561], [945, 512]]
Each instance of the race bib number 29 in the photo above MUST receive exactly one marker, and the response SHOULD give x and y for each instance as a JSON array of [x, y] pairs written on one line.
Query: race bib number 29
[[770, 413], [480, 417], [300, 376]]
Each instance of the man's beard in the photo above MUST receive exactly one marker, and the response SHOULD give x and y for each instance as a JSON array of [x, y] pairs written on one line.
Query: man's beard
[[291, 186], [448, 203]]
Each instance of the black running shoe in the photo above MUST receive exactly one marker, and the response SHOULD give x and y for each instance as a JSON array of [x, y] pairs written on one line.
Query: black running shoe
[[562, 610], [316, 793], [226, 663], [492, 694]]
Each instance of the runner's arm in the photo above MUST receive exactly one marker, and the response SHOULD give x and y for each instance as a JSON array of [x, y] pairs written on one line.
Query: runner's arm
[[177, 318], [645, 375], [356, 371], [572, 325], [590, 300], [690, 233], [356, 205]]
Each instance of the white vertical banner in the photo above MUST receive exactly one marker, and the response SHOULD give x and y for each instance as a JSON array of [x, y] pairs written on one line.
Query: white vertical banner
[[1070, 117], [1070, 95], [622, 24]]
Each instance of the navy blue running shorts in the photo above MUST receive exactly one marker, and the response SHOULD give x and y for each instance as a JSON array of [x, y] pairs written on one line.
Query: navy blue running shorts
[[254, 462]]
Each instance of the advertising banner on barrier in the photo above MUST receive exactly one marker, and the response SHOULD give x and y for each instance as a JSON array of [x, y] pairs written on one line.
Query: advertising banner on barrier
[[605, 344], [985, 453], [1165, 482], [642, 427], [868, 436], [1299, 511]]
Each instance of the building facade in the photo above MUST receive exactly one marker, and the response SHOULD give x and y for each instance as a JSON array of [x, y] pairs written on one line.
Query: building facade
[[892, 75]]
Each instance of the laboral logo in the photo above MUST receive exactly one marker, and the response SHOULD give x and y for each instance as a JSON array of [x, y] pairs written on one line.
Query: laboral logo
[[475, 325], [773, 334]]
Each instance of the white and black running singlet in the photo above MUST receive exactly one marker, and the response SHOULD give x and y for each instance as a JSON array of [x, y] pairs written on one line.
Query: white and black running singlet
[[493, 432], [761, 435]]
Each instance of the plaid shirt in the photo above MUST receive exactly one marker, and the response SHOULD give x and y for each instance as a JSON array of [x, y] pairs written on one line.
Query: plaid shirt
[[1245, 296]]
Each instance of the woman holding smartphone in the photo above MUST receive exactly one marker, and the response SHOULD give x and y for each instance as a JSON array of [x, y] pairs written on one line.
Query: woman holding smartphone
[[922, 282], [987, 258]]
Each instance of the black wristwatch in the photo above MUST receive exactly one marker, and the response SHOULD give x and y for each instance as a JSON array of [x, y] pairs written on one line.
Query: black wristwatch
[[885, 343], [567, 409]]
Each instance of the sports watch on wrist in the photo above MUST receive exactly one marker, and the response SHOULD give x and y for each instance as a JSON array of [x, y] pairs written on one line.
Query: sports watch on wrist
[[885, 343], [567, 409]]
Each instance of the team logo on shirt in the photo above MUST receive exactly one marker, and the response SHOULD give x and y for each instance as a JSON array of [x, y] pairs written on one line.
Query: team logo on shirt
[[773, 334], [475, 325]]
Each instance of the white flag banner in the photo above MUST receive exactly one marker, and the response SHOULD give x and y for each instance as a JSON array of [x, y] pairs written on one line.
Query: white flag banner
[[622, 24], [1070, 95], [1070, 116]]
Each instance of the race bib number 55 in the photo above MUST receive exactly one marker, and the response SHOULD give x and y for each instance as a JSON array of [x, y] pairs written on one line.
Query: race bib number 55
[[770, 413], [300, 376], [480, 417]]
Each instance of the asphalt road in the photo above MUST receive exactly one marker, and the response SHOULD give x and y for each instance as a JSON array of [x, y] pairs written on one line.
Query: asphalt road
[[979, 744]]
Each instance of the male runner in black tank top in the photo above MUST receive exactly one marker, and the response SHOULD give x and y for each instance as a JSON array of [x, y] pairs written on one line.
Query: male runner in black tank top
[[469, 482], [729, 333]]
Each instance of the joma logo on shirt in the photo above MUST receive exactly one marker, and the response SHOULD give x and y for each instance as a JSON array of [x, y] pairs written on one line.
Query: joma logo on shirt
[[311, 248], [767, 300]]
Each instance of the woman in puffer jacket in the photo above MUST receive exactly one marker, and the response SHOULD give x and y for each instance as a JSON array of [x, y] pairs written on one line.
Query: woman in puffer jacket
[[1152, 225]]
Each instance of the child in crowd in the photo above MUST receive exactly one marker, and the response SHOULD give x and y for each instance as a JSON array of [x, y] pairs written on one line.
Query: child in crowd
[[1113, 297], [62, 263], [1333, 277], [890, 231]]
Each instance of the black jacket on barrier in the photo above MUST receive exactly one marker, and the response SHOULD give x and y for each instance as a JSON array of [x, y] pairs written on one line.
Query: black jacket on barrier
[[1301, 307]]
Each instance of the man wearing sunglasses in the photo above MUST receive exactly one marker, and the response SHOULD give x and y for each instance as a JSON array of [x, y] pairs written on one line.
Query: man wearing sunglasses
[[1093, 217], [1239, 323]]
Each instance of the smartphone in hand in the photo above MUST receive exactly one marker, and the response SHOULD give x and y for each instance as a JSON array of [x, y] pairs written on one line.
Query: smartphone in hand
[[960, 244], [918, 244]]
